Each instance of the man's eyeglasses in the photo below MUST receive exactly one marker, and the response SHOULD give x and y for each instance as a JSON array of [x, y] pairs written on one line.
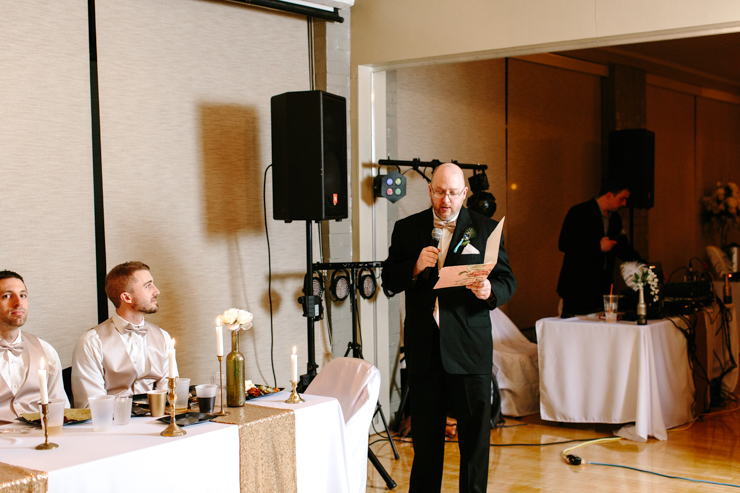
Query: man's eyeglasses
[[452, 195]]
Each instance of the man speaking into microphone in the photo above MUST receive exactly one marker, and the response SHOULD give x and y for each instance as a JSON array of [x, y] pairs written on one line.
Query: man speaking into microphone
[[447, 332]]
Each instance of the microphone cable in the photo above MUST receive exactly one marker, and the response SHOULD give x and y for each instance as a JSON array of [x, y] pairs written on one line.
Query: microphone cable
[[269, 276]]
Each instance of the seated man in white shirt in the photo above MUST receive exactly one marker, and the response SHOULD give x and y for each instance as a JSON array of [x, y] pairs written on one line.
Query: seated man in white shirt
[[21, 354], [124, 354]]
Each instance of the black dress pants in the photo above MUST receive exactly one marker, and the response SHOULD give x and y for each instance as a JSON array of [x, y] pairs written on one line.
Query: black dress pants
[[433, 393]]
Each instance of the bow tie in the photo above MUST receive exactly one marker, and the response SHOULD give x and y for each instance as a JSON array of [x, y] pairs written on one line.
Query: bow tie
[[438, 223], [16, 349], [142, 330]]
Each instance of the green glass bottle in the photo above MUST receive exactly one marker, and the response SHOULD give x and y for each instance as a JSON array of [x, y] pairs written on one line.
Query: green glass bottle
[[235, 373]]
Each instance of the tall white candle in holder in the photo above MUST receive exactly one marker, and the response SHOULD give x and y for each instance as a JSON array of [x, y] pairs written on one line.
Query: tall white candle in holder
[[294, 366], [219, 337], [172, 360], [42, 382]]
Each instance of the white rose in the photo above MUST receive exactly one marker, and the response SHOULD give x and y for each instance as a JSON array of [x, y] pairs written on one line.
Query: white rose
[[244, 317], [229, 316]]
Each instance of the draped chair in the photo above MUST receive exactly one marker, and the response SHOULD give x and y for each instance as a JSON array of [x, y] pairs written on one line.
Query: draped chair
[[355, 383]]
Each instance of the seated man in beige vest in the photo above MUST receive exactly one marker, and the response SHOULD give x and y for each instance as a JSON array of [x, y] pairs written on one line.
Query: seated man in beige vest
[[21, 353], [124, 353]]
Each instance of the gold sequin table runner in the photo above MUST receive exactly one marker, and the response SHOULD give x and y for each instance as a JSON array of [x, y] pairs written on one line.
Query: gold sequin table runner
[[14, 479], [267, 459]]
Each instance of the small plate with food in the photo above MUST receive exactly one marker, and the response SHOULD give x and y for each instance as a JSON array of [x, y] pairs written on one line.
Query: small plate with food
[[256, 391]]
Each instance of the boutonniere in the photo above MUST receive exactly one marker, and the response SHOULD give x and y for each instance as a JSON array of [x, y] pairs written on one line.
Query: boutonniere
[[467, 236]]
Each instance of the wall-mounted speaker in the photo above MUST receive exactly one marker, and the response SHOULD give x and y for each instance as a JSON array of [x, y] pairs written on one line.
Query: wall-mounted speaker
[[632, 159], [309, 156]]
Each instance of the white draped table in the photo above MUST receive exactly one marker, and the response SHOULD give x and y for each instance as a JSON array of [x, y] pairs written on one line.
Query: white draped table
[[597, 372], [135, 457]]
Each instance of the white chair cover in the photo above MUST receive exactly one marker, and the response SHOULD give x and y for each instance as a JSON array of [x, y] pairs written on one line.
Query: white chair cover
[[515, 365], [355, 383]]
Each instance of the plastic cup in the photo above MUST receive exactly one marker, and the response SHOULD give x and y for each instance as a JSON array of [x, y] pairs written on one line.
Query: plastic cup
[[122, 410], [157, 400], [182, 390], [56, 416], [216, 380], [611, 302], [101, 408], [206, 397]]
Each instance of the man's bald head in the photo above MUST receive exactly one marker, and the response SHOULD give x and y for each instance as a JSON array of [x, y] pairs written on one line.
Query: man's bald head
[[447, 190]]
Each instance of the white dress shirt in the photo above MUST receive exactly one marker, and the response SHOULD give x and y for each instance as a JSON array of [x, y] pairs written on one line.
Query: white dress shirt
[[88, 361], [444, 245], [14, 369]]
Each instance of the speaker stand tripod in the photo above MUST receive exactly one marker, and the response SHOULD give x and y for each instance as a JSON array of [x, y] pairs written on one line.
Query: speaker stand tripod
[[356, 350]]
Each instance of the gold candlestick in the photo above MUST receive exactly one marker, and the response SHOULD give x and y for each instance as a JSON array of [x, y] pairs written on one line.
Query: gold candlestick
[[172, 429], [294, 397], [45, 417], [220, 384]]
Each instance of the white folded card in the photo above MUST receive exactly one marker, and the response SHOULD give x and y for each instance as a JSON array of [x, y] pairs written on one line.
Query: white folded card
[[469, 249], [462, 275]]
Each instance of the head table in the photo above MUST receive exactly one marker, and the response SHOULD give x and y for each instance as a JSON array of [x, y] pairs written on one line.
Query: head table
[[248, 455]]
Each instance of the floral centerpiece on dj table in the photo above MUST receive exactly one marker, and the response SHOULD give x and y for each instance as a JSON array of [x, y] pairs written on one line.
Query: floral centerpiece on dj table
[[639, 276], [722, 209], [236, 320]]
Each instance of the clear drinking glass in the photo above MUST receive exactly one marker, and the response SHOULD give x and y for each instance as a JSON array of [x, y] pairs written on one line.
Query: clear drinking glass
[[611, 302], [216, 379], [56, 416], [101, 408], [122, 409]]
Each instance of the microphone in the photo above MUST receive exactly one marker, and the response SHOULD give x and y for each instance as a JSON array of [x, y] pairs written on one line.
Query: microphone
[[436, 236]]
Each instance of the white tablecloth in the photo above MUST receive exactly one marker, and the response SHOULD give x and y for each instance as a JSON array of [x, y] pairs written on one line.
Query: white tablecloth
[[132, 457], [320, 458], [135, 456], [594, 372]]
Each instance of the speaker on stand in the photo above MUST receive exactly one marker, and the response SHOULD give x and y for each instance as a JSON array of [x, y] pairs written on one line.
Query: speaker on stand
[[632, 160], [309, 179]]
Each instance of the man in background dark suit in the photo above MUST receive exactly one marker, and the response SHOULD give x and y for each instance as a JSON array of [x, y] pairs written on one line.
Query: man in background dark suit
[[592, 238], [447, 332]]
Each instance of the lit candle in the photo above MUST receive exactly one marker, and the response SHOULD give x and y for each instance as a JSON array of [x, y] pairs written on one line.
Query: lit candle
[[294, 366], [42, 383], [219, 338], [173, 361]]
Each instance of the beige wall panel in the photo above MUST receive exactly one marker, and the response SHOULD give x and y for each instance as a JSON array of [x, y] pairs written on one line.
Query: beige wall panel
[[46, 161], [434, 30], [185, 90], [717, 154], [554, 161], [453, 111], [674, 220]]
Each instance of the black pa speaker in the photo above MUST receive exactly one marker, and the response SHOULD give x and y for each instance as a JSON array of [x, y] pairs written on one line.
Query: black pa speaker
[[309, 156], [632, 159]]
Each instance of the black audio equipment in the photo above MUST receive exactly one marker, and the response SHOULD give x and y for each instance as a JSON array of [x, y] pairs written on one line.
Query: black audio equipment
[[309, 156], [685, 298], [632, 159]]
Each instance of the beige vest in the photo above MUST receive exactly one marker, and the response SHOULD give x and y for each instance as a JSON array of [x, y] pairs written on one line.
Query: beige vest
[[118, 370], [27, 398]]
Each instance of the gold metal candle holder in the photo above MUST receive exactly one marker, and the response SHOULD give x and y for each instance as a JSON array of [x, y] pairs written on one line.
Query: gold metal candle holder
[[45, 416], [294, 397], [221, 386], [172, 429]]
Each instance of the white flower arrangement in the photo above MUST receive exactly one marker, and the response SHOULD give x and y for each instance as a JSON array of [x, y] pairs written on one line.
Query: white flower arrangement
[[722, 208], [237, 319], [638, 275]]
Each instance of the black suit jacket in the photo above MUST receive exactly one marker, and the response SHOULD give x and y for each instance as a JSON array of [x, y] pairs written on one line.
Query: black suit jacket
[[587, 271], [465, 334]]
